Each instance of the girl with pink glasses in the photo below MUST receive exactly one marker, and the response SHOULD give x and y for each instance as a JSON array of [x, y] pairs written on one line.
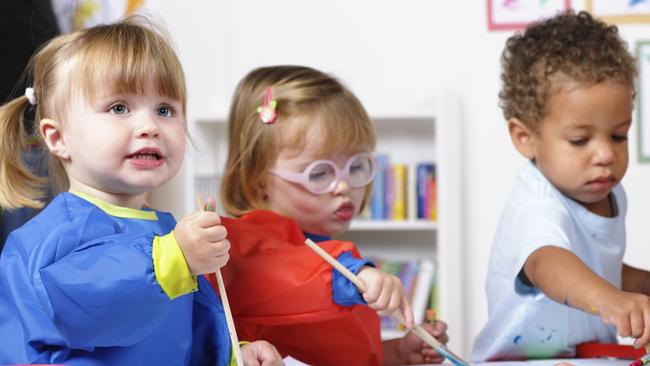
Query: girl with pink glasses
[[300, 166]]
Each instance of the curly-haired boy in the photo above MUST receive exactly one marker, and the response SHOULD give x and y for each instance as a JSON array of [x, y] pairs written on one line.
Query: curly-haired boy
[[556, 278]]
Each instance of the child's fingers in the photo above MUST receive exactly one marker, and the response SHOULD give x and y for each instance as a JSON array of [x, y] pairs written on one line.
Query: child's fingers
[[431, 356], [381, 300], [644, 338], [392, 297], [429, 352], [444, 338], [215, 234], [636, 324], [373, 290], [439, 331], [220, 248], [394, 302], [270, 356], [439, 328], [623, 326], [261, 353], [437, 359], [407, 311], [208, 219], [219, 262], [249, 359]]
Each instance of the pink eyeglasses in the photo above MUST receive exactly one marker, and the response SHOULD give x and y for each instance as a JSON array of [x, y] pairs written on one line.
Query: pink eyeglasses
[[322, 176]]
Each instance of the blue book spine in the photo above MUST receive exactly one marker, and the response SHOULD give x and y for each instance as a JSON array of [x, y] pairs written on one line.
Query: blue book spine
[[423, 172], [377, 201]]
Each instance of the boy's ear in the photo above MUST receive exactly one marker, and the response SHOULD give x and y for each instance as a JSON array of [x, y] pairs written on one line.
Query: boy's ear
[[53, 137], [522, 137]]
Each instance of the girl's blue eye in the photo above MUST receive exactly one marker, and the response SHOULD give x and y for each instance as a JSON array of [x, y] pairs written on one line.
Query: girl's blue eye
[[119, 109], [164, 111]]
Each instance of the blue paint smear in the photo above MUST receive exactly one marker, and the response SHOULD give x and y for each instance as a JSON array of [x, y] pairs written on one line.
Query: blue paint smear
[[516, 339], [452, 359]]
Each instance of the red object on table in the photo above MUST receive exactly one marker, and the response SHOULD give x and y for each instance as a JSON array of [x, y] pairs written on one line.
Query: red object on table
[[595, 350]]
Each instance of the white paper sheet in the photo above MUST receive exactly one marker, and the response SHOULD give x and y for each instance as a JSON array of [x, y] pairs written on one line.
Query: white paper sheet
[[290, 361], [574, 362]]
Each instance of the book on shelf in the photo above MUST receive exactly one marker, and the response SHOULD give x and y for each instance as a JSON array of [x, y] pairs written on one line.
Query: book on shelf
[[388, 192], [433, 295], [418, 279], [403, 192], [399, 191], [377, 206], [421, 294], [431, 210], [426, 191]]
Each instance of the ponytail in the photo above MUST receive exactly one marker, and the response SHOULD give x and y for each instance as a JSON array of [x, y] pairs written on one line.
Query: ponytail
[[18, 185]]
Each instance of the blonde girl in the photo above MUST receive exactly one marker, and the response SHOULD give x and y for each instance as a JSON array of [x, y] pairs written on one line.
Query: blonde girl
[[299, 166], [97, 277]]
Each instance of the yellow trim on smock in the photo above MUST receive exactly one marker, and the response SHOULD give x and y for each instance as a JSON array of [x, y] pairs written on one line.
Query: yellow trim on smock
[[170, 267]]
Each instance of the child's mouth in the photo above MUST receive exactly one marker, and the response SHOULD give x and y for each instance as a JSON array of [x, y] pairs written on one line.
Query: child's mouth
[[345, 212], [602, 183], [146, 158]]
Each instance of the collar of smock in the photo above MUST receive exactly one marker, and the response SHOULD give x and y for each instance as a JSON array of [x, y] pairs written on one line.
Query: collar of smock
[[117, 211]]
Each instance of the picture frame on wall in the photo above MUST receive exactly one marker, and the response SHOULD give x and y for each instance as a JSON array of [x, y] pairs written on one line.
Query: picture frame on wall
[[517, 14], [643, 100], [620, 11]]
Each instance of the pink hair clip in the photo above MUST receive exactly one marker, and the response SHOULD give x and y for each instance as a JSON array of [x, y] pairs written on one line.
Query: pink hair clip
[[267, 110]]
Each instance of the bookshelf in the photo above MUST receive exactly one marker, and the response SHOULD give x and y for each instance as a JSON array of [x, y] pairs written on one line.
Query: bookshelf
[[427, 131]]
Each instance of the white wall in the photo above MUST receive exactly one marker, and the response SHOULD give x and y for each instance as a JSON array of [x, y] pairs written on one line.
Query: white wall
[[389, 53]]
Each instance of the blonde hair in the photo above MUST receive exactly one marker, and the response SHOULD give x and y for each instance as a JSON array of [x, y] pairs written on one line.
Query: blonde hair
[[122, 57], [306, 98]]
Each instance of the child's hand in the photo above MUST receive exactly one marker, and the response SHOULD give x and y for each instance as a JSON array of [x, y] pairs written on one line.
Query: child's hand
[[629, 312], [261, 353], [384, 293], [203, 242], [414, 351]]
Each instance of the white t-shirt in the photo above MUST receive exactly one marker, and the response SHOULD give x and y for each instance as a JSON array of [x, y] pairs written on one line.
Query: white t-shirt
[[522, 321]]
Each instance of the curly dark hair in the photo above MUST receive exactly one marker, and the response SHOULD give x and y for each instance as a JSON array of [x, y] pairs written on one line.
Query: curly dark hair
[[568, 45]]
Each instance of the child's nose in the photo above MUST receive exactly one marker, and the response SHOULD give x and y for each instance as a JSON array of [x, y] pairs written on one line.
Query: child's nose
[[342, 187], [148, 127], [605, 154]]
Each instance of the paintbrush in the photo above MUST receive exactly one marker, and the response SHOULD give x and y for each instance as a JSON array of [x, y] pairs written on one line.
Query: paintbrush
[[417, 329], [224, 299]]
